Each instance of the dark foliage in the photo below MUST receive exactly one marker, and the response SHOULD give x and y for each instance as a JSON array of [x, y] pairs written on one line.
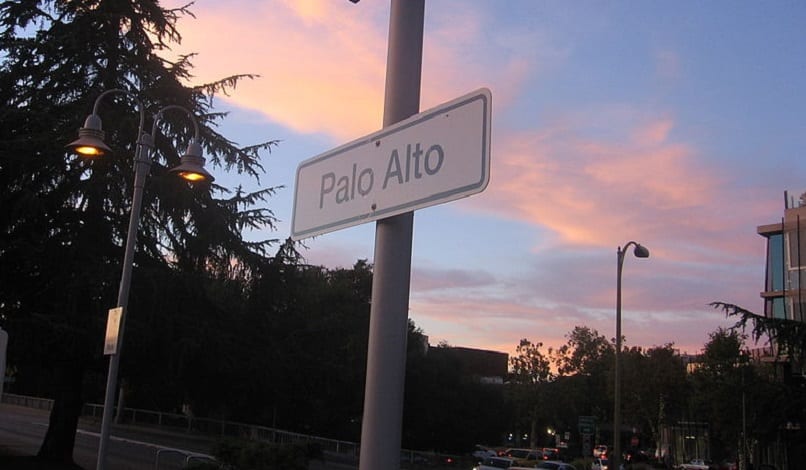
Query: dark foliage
[[788, 335], [64, 220]]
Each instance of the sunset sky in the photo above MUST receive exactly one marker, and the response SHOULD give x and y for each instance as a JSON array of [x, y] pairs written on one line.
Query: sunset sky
[[675, 124]]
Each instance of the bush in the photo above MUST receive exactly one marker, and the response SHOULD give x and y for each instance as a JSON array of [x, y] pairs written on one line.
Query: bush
[[256, 455], [582, 463]]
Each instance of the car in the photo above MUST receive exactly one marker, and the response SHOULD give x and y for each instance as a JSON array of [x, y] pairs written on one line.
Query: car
[[695, 464], [555, 465], [599, 464], [728, 465], [524, 457], [517, 453], [494, 463], [551, 453], [480, 452], [600, 451]]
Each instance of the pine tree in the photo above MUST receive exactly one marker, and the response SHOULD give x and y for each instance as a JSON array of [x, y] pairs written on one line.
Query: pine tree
[[63, 220]]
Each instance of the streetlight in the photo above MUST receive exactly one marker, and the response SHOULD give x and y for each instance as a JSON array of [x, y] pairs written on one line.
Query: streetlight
[[640, 251], [90, 144]]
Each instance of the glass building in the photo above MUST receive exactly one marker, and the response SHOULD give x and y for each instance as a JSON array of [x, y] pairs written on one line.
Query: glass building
[[784, 289]]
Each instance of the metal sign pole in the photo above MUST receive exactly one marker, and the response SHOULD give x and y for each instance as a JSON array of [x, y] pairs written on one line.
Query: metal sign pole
[[381, 428]]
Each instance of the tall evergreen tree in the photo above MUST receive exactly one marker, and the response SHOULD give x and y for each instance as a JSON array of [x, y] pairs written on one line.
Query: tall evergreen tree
[[63, 221]]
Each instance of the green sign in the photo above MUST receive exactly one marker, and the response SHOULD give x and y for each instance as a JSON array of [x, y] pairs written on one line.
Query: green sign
[[587, 424]]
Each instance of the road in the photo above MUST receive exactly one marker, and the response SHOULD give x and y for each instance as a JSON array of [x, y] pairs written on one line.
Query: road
[[130, 448], [23, 429]]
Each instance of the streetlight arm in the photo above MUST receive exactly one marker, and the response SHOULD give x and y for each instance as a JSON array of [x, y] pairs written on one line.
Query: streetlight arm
[[158, 117], [140, 107], [640, 251], [191, 166]]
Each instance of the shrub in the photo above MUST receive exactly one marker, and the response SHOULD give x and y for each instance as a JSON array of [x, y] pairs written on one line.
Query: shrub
[[256, 455]]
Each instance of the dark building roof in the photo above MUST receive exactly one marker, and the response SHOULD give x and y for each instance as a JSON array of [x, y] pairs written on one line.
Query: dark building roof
[[476, 362]]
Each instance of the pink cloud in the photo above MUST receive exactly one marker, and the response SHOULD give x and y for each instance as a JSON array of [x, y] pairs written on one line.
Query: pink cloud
[[492, 322], [654, 133], [585, 182], [322, 65], [426, 279], [593, 191]]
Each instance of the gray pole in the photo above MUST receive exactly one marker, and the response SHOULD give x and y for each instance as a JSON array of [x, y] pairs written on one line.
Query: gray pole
[[615, 458], [3, 347], [640, 252], [141, 168], [381, 428]]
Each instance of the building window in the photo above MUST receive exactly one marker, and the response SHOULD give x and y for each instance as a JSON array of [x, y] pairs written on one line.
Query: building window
[[795, 241], [775, 308], [775, 263], [798, 308]]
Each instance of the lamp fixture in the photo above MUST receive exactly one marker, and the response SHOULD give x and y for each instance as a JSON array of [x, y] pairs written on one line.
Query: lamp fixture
[[191, 167], [90, 142]]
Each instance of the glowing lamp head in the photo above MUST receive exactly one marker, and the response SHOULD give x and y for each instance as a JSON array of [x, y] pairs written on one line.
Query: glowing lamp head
[[90, 142], [191, 168], [192, 176], [88, 151]]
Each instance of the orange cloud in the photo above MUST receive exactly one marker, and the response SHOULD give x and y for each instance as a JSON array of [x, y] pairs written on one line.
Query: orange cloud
[[322, 65]]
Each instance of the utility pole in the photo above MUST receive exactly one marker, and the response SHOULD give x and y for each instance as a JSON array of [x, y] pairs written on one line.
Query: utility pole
[[381, 429]]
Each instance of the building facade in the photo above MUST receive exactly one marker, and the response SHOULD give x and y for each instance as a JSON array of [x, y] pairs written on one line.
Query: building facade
[[784, 289]]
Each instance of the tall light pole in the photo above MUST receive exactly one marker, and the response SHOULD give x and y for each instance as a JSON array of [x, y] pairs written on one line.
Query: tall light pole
[[640, 251], [90, 144]]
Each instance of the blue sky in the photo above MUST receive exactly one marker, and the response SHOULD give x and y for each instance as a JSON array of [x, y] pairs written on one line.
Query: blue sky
[[675, 124]]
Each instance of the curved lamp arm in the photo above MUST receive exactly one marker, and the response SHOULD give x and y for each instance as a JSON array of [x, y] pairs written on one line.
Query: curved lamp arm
[[640, 251], [191, 167], [90, 142], [158, 117]]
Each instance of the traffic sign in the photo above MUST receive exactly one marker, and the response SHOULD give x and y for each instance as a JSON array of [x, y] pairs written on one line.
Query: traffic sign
[[433, 157], [587, 425]]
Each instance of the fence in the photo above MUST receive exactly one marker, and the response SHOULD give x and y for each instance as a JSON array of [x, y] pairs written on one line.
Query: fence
[[28, 402], [198, 426], [185, 424]]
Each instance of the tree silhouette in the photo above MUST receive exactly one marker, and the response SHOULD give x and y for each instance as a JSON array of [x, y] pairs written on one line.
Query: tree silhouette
[[64, 220]]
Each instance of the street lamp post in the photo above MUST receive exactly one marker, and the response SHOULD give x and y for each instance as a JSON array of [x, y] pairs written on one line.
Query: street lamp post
[[90, 144], [640, 251]]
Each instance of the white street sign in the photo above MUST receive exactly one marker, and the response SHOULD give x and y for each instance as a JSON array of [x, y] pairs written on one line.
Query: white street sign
[[436, 156], [111, 342]]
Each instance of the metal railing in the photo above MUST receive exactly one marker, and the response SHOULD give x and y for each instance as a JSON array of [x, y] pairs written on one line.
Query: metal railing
[[186, 457], [28, 402], [182, 423], [213, 428]]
